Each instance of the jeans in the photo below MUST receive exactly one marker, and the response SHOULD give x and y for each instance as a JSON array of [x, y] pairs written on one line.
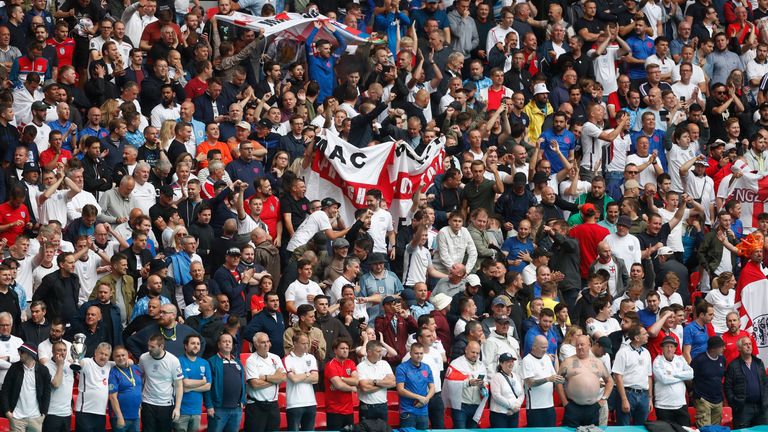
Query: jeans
[[503, 420], [302, 418], [581, 415], [225, 420], [638, 408], [156, 418], [87, 422], [613, 182], [462, 419], [375, 411], [262, 416], [337, 422], [408, 420], [134, 425], [541, 417], [748, 415], [186, 423], [436, 409]]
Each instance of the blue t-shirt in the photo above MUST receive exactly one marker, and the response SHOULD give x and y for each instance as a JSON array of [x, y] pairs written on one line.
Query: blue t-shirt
[[647, 318], [128, 394], [196, 370], [534, 331], [416, 380], [641, 50], [513, 246], [696, 336], [566, 140]]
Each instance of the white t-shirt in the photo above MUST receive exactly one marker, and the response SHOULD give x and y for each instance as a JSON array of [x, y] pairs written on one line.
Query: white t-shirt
[[722, 305], [606, 327], [86, 272], [143, 196], [45, 350], [613, 270], [10, 349], [54, 208], [297, 292], [160, 376], [371, 371], [335, 292], [686, 91], [299, 395], [24, 276], [627, 248], [41, 272], [381, 223], [676, 157], [93, 387], [618, 150], [256, 366], [417, 262], [675, 238], [702, 189], [697, 76], [591, 145], [604, 67], [76, 204], [314, 223], [648, 175], [665, 65], [654, 13], [540, 396], [61, 397], [634, 367]]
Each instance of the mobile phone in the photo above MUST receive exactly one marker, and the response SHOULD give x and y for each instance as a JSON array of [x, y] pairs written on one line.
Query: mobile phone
[[682, 98], [481, 376]]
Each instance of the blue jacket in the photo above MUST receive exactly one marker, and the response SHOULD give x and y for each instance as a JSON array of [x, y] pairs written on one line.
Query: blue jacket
[[212, 398], [320, 69], [262, 322], [232, 289], [114, 315]]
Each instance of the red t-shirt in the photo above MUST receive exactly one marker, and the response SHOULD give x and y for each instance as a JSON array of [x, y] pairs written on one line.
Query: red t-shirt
[[195, 87], [64, 50], [8, 215], [731, 349], [338, 402], [494, 98], [271, 215], [588, 235], [47, 155], [654, 345]]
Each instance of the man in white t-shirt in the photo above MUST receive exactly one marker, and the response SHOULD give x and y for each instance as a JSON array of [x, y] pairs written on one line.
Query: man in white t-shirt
[[264, 373], [9, 345], [302, 372], [163, 386], [53, 202], [62, 380], [319, 221], [591, 134], [540, 377], [758, 67], [374, 377], [610, 48], [381, 229], [623, 244], [303, 290], [93, 390], [348, 277], [686, 88]]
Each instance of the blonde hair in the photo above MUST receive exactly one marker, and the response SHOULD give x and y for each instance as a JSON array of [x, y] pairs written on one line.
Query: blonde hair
[[167, 134]]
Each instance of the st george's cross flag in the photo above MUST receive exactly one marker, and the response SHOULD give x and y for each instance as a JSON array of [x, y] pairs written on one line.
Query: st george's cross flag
[[752, 304]]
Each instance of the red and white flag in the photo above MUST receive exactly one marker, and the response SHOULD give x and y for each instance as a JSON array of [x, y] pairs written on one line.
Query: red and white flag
[[752, 304]]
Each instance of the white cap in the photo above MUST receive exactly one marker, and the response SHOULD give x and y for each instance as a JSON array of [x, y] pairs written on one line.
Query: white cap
[[472, 280], [664, 250], [540, 88]]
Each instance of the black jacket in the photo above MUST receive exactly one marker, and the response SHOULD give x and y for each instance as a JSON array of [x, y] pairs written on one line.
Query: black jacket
[[60, 296], [97, 176], [145, 255], [9, 395], [150, 95], [210, 329], [736, 383], [31, 332]]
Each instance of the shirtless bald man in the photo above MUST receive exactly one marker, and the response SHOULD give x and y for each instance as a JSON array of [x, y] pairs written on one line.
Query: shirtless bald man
[[581, 394]]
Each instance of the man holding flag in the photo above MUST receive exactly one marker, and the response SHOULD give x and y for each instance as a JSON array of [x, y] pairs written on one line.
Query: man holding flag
[[751, 299]]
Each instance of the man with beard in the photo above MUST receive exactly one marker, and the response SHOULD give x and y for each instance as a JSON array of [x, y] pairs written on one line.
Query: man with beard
[[206, 324], [55, 335], [197, 380], [172, 332], [110, 313], [151, 88], [269, 321]]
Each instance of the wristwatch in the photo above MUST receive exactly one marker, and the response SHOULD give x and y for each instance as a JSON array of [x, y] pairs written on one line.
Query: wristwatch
[[375, 383]]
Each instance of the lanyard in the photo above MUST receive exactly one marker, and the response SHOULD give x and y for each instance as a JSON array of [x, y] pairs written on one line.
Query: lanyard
[[131, 378]]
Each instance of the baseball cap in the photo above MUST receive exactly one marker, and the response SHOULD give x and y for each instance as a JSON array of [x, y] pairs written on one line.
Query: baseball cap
[[502, 319], [718, 142], [265, 123], [587, 207], [472, 280], [669, 340], [703, 162], [540, 88], [377, 258], [631, 184], [244, 125], [540, 177], [729, 147], [233, 251], [624, 220], [389, 299], [30, 167], [470, 86], [505, 357], [606, 344], [39, 106], [328, 202], [501, 300], [219, 183], [166, 190], [665, 250]]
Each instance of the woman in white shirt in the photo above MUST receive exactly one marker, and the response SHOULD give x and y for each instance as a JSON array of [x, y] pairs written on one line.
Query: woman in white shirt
[[723, 299], [567, 348], [507, 395]]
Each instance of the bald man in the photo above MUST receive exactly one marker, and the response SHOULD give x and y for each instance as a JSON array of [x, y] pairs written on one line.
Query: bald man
[[539, 377], [582, 393]]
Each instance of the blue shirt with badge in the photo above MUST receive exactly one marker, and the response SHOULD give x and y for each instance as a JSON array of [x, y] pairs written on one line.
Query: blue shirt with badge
[[416, 380], [126, 382], [196, 370]]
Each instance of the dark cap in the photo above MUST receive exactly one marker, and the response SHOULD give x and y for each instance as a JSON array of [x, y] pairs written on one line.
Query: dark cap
[[605, 344], [329, 202], [540, 177], [715, 342], [470, 86], [265, 123], [156, 265], [219, 183], [233, 251], [505, 357], [502, 319], [377, 258], [29, 348], [166, 190], [455, 105], [519, 179], [389, 299], [39, 106], [624, 220], [30, 167], [163, 8], [669, 340]]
